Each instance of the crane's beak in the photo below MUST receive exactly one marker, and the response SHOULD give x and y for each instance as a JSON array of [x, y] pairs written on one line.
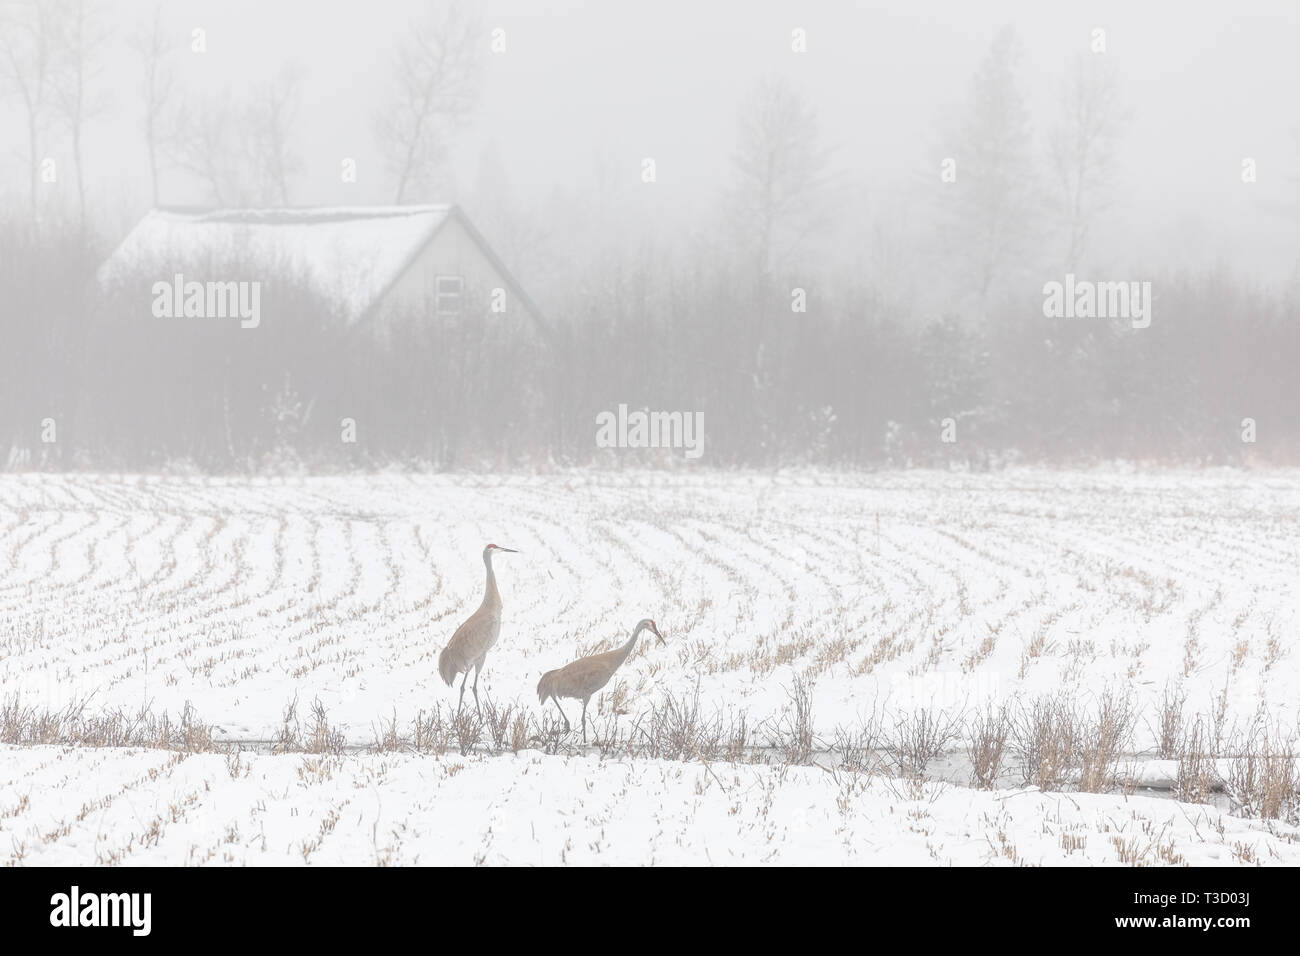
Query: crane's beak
[[658, 635], [508, 550]]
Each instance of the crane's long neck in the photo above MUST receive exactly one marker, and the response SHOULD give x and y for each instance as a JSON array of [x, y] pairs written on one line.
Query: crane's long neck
[[491, 596], [625, 651]]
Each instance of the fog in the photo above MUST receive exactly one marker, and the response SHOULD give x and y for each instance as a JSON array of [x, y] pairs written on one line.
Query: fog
[[930, 164], [584, 90]]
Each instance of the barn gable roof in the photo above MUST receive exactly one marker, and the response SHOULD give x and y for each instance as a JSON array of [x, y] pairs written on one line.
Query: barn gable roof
[[350, 255]]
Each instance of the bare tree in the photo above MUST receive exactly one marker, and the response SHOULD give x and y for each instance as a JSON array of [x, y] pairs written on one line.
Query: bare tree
[[1083, 147], [989, 214], [271, 118], [774, 205], [437, 79], [241, 152], [85, 36], [203, 146], [29, 48], [151, 46], [781, 168]]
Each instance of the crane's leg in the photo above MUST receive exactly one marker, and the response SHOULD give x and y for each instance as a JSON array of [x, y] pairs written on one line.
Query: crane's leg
[[567, 728], [584, 719], [461, 700], [478, 667]]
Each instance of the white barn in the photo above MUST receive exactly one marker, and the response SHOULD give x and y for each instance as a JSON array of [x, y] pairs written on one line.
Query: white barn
[[361, 260]]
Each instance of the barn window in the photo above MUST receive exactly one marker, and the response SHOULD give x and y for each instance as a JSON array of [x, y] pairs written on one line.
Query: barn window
[[448, 292]]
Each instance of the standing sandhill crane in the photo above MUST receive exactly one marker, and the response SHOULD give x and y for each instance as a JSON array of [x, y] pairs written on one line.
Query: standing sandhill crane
[[582, 679], [468, 647]]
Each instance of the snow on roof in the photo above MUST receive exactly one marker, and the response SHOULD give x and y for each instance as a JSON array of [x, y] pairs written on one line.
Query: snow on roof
[[349, 255]]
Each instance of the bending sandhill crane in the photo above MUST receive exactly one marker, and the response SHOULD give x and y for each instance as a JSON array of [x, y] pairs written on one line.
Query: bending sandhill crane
[[468, 647], [582, 679]]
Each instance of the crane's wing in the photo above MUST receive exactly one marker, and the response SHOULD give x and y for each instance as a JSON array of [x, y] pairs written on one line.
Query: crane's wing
[[468, 644]]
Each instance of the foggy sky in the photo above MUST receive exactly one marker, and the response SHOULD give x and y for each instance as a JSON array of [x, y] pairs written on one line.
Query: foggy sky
[[587, 89]]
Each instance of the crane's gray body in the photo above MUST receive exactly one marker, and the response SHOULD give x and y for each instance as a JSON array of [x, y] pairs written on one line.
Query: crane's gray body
[[583, 679], [469, 646]]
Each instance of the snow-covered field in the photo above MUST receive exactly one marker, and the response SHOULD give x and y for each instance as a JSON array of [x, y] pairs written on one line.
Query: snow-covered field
[[64, 806], [886, 592]]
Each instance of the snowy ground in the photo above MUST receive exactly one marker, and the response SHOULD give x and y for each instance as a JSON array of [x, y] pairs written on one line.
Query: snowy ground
[[887, 591], [146, 807]]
